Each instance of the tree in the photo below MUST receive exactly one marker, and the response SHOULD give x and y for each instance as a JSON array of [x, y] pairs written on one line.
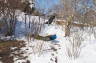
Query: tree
[[8, 14]]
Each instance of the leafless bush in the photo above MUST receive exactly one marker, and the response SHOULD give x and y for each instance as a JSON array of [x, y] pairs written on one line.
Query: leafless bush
[[7, 12], [75, 42]]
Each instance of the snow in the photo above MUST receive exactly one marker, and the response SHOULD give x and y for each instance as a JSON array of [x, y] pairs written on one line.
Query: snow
[[51, 30], [45, 54], [22, 28]]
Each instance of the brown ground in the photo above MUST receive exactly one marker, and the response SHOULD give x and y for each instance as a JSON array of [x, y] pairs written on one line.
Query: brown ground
[[6, 55]]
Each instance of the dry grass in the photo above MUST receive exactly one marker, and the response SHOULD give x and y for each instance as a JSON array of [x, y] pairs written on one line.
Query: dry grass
[[10, 43], [61, 23]]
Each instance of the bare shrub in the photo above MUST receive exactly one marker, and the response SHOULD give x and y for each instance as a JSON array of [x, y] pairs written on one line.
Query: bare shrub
[[8, 15], [75, 42]]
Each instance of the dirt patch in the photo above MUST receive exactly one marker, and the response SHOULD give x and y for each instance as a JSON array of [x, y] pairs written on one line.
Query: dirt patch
[[6, 53]]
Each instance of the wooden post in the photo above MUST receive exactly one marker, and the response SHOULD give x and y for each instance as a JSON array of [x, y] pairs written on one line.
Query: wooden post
[[68, 25], [67, 29]]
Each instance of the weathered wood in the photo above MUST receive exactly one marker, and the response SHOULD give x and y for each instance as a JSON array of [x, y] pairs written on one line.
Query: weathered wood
[[75, 24]]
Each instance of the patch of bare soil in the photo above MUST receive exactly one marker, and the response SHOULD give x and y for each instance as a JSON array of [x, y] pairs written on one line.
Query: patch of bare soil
[[7, 54]]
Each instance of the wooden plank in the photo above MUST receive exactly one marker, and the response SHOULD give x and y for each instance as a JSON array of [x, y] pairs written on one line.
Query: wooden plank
[[75, 24]]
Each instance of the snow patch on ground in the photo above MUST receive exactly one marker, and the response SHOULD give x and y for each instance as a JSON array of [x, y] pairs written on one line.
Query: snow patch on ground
[[51, 52]]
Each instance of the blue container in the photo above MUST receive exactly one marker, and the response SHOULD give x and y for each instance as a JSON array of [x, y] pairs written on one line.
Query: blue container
[[53, 37]]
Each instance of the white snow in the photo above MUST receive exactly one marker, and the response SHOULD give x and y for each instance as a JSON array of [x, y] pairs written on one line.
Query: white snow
[[44, 54]]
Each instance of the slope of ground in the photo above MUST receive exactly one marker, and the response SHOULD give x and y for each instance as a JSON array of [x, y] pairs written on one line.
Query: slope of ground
[[55, 51]]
